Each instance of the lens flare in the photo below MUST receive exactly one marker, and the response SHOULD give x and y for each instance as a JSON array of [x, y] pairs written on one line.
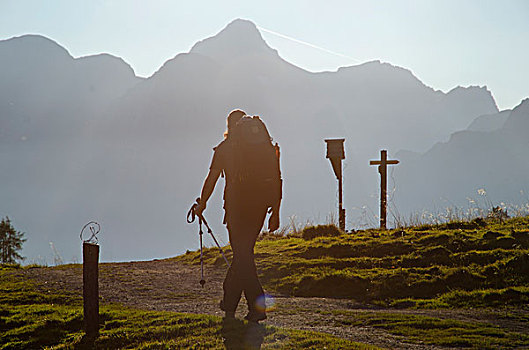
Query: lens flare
[[265, 303]]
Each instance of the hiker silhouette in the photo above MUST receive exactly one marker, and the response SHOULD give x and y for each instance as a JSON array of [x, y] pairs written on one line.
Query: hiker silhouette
[[253, 187]]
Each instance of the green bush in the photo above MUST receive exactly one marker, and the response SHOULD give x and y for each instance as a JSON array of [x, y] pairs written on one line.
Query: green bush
[[312, 232]]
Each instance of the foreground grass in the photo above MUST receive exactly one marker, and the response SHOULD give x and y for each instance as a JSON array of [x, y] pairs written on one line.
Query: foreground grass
[[33, 318], [458, 264], [437, 331]]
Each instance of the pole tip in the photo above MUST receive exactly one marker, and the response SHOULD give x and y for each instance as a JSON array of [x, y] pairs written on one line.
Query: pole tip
[[202, 282]]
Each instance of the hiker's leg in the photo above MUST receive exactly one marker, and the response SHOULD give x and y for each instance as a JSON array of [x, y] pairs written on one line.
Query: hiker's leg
[[253, 290], [232, 290], [232, 285], [244, 225]]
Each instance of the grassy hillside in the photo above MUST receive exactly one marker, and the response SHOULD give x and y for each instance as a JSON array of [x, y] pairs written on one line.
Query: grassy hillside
[[461, 284], [480, 263], [34, 317]]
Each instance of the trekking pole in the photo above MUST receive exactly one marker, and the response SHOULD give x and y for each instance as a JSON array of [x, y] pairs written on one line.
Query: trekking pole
[[200, 233], [191, 215], [190, 219], [201, 217]]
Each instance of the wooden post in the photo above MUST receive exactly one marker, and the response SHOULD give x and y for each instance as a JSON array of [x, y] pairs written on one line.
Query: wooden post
[[335, 153], [91, 288], [382, 169], [341, 210]]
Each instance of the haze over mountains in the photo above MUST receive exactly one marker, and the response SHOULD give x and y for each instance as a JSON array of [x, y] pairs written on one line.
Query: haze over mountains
[[492, 155], [85, 139]]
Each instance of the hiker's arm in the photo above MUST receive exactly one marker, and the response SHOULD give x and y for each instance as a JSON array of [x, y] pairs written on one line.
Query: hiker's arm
[[207, 189]]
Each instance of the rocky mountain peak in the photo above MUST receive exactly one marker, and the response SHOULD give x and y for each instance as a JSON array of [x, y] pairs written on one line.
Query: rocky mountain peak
[[33, 45], [240, 37], [519, 118]]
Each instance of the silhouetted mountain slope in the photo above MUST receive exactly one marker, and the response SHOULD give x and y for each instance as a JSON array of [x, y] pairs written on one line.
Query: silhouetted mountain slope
[[236, 67], [132, 153], [239, 38], [518, 121], [49, 106], [452, 172], [489, 122], [45, 92]]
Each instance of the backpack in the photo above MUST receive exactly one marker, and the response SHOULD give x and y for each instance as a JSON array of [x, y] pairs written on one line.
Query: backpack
[[257, 177]]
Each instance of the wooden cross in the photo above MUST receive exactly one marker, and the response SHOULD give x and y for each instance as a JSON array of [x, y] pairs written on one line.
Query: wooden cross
[[382, 169]]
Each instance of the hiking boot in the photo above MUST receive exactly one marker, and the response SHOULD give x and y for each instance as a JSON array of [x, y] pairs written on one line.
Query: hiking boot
[[254, 316]]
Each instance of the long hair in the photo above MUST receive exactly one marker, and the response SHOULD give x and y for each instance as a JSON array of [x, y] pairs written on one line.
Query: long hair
[[232, 120]]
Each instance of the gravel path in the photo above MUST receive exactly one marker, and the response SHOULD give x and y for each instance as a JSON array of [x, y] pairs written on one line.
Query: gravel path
[[173, 286]]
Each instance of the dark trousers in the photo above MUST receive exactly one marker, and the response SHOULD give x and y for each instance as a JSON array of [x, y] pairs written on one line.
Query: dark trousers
[[244, 223]]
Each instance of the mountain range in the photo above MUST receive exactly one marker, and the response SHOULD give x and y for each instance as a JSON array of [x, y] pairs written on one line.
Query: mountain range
[[85, 139], [483, 166]]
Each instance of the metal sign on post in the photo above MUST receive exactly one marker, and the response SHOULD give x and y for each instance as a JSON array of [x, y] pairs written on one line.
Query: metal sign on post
[[90, 279], [336, 153], [382, 169]]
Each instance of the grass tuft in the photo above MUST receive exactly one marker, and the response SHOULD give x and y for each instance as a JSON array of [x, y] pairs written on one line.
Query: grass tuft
[[312, 232]]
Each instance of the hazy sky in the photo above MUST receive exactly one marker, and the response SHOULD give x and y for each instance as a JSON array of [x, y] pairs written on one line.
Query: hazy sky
[[444, 43]]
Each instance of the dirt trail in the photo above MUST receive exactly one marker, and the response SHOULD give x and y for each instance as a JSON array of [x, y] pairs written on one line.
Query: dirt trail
[[173, 286]]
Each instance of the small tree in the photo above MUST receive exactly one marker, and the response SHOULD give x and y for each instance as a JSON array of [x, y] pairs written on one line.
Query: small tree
[[10, 242]]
